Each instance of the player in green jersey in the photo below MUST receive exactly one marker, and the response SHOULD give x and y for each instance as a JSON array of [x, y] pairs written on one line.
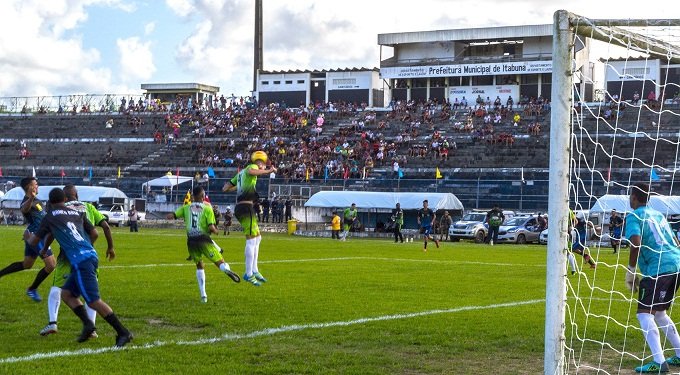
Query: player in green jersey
[[63, 269], [244, 183], [199, 219]]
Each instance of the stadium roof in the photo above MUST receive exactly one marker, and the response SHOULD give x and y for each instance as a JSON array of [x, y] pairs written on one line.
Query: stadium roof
[[369, 200], [466, 35], [339, 70]]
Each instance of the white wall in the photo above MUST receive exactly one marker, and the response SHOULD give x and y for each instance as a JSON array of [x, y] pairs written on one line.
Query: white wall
[[282, 78], [537, 46]]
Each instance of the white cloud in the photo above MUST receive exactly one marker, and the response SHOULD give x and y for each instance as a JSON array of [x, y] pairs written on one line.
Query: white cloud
[[136, 60], [182, 8], [149, 28]]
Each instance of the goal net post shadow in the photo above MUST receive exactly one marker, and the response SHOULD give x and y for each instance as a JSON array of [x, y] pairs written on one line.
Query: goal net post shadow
[[602, 145]]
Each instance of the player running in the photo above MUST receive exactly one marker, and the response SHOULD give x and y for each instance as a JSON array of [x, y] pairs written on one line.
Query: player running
[[425, 219], [63, 270], [349, 216], [75, 234], [245, 183], [33, 211], [199, 219]]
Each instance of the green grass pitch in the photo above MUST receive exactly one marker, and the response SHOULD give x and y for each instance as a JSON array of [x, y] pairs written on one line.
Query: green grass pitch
[[356, 307]]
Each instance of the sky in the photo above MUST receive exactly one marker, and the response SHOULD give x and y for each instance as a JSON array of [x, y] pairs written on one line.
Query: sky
[[61, 47]]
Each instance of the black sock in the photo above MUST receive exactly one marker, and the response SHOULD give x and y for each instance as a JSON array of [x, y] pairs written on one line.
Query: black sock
[[82, 314], [42, 275], [425, 246], [112, 319], [14, 267]]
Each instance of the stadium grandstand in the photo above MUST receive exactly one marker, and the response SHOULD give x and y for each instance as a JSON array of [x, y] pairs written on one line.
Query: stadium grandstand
[[464, 111]]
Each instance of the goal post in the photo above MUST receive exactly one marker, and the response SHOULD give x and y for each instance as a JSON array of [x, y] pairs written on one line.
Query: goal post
[[601, 146]]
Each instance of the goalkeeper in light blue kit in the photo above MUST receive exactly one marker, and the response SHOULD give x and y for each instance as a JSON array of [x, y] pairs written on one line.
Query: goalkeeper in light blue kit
[[654, 249]]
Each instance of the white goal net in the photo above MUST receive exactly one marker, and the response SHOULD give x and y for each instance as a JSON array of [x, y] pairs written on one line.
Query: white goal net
[[615, 122]]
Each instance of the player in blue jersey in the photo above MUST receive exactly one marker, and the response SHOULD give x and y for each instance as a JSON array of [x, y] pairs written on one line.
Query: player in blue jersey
[[426, 218], [33, 211], [653, 249], [63, 269], [75, 234]]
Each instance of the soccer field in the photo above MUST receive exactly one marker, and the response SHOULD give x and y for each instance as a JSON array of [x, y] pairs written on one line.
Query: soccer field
[[355, 307]]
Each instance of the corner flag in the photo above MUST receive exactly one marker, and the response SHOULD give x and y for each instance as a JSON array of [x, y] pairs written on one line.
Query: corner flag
[[438, 174]]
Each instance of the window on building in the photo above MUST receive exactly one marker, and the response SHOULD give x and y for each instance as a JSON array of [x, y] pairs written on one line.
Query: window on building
[[289, 82], [277, 82], [482, 80], [344, 81], [419, 82], [265, 82], [302, 81]]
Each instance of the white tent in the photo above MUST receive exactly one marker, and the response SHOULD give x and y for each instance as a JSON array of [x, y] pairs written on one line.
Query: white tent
[[85, 193], [668, 205], [384, 200], [167, 181]]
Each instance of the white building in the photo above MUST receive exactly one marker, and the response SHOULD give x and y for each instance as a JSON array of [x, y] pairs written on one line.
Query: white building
[[357, 85], [492, 61]]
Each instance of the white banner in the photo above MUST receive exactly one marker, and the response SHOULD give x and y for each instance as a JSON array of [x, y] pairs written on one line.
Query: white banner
[[470, 93], [482, 69]]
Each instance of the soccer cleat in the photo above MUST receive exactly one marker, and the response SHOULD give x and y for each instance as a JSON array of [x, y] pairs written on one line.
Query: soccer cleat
[[49, 329], [121, 341], [673, 361], [86, 334], [259, 277], [233, 276], [652, 368], [204, 299], [94, 335], [33, 294], [251, 280]]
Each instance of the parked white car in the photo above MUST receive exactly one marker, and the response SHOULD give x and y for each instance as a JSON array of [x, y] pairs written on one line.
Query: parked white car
[[520, 229], [116, 214], [472, 227]]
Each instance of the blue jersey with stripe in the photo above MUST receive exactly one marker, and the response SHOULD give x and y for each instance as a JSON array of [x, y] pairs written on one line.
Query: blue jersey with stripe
[[71, 229], [658, 253], [35, 215]]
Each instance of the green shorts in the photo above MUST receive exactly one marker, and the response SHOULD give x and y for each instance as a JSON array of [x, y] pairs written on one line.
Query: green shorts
[[245, 214], [203, 246], [62, 271]]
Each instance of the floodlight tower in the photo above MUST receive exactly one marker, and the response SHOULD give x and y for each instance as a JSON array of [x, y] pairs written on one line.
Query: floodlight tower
[[257, 47]]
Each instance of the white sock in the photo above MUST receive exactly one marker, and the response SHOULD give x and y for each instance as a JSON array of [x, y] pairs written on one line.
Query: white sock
[[250, 255], [664, 322], [651, 333], [258, 239], [53, 303], [572, 261], [91, 313], [200, 277]]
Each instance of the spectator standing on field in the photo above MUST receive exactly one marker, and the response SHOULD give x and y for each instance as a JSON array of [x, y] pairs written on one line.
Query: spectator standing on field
[[494, 218], [335, 226], [398, 217], [133, 216], [444, 224]]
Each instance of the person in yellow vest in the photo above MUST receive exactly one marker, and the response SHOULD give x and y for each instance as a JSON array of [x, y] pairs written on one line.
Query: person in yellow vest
[[335, 226]]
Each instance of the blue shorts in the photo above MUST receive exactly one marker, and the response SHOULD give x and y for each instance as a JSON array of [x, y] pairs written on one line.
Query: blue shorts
[[616, 233], [580, 242], [427, 230], [83, 280], [34, 251]]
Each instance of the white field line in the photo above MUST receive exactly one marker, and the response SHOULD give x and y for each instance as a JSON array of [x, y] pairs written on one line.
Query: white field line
[[261, 333]]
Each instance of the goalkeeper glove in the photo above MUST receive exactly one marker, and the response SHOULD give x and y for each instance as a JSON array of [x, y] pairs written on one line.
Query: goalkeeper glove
[[632, 279]]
